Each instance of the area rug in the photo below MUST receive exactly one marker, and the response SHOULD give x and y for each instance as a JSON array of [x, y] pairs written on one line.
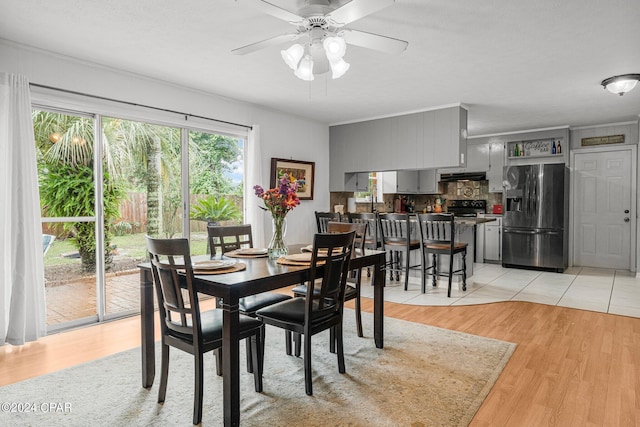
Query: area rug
[[424, 376]]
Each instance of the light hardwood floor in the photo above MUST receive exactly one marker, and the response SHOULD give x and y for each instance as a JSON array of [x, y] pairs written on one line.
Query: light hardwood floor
[[571, 367]]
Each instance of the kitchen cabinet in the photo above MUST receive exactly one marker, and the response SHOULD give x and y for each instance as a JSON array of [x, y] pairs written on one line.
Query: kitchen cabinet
[[477, 159], [493, 241], [400, 182], [356, 181], [496, 166], [425, 140], [428, 181]]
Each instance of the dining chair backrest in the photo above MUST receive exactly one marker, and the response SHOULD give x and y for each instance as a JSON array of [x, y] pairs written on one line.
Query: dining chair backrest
[[331, 253], [323, 217], [344, 227], [395, 228], [173, 279], [372, 239], [437, 229], [226, 238]]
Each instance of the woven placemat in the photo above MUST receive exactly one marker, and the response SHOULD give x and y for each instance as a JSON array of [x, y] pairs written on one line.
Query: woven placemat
[[231, 269], [235, 254], [284, 261]]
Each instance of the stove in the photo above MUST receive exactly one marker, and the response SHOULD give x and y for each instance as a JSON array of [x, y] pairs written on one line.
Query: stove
[[468, 208]]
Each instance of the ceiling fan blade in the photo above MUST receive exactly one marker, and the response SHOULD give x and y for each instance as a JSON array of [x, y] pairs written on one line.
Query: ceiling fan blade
[[374, 41], [250, 48], [356, 9], [277, 11]]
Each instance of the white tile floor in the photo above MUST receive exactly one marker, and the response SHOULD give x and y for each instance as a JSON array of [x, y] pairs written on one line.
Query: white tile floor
[[603, 290]]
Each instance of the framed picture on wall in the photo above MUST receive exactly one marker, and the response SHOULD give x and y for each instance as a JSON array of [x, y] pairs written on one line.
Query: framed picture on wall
[[300, 170]]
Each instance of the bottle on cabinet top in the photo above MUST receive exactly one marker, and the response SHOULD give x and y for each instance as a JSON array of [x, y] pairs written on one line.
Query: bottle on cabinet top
[[553, 148], [558, 148]]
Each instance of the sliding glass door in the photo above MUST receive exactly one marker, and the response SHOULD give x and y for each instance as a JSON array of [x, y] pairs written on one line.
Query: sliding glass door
[[216, 174], [105, 183], [143, 161], [68, 208]]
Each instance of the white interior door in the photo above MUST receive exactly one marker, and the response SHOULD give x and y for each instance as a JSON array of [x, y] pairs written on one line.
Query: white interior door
[[603, 211]]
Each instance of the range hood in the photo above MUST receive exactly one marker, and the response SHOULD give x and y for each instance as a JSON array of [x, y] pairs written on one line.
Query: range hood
[[463, 176]]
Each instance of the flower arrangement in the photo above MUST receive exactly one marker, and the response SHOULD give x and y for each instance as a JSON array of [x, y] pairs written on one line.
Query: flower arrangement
[[280, 200]]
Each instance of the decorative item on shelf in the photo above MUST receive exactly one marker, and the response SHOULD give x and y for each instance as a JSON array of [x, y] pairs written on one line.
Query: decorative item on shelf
[[279, 201], [438, 206]]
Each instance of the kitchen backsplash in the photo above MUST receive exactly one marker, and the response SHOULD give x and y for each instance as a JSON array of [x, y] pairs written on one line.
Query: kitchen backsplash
[[472, 190]]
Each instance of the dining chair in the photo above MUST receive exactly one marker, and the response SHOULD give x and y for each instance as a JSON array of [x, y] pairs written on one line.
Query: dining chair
[[227, 238], [183, 325], [437, 236], [323, 217], [322, 310], [399, 240], [372, 239], [352, 291]]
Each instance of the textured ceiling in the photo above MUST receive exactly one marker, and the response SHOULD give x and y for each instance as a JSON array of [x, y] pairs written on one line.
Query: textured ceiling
[[515, 64]]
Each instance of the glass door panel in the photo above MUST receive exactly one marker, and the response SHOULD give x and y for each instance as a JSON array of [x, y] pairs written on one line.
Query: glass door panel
[[216, 172], [142, 161], [67, 196]]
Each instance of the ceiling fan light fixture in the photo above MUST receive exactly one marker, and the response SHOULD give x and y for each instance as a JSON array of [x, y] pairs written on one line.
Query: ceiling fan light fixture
[[293, 55], [621, 84], [338, 68], [334, 47], [305, 69]]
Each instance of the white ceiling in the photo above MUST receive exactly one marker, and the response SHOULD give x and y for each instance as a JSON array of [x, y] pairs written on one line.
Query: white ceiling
[[515, 64]]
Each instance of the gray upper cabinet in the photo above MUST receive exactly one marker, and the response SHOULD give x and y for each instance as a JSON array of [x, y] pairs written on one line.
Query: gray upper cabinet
[[403, 182], [356, 181], [494, 175], [428, 181], [477, 159], [425, 140]]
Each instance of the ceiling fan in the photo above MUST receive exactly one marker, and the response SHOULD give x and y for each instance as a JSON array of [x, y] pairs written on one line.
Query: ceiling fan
[[320, 27]]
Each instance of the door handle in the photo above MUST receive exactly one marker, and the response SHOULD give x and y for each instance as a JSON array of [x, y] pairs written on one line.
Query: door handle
[[626, 219], [626, 211]]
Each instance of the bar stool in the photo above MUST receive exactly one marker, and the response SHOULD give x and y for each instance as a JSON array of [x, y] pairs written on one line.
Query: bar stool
[[437, 235]]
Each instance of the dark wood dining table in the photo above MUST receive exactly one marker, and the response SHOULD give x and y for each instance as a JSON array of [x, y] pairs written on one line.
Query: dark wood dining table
[[261, 275]]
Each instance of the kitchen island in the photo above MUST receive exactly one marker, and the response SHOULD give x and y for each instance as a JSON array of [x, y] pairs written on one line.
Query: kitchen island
[[466, 228]]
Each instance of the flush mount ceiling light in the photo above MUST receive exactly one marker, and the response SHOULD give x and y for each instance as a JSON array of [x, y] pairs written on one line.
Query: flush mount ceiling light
[[320, 26], [621, 84]]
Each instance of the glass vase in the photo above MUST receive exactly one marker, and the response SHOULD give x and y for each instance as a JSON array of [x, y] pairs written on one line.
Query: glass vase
[[277, 248]]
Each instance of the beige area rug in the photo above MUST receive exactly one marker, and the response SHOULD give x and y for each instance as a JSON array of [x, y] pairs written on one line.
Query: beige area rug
[[425, 376]]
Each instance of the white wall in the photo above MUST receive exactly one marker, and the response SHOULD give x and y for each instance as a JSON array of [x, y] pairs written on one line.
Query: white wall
[[282, 135]]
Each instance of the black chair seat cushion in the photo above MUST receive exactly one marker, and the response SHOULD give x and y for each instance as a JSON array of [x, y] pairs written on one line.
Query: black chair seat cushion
[[253, 303], [211, 322], [291, 311], [349, 294]]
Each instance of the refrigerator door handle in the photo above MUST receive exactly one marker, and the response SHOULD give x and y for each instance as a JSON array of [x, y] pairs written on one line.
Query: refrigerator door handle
[[530, 232], [507, 230]]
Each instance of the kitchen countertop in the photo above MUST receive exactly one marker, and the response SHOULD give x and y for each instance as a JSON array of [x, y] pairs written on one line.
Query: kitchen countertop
[[470, 220]]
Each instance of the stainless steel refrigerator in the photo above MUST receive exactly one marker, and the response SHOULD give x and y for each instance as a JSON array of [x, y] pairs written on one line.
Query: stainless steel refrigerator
[[536, 210]]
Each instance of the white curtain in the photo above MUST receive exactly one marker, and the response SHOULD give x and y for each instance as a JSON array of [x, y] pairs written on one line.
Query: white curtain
[[22, 297], [255, 215]]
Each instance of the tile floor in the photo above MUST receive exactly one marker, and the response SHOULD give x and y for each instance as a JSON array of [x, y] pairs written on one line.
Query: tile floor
[[603, 290]]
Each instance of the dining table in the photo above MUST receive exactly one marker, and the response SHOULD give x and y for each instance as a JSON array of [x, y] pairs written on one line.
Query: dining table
[[260, 275]]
